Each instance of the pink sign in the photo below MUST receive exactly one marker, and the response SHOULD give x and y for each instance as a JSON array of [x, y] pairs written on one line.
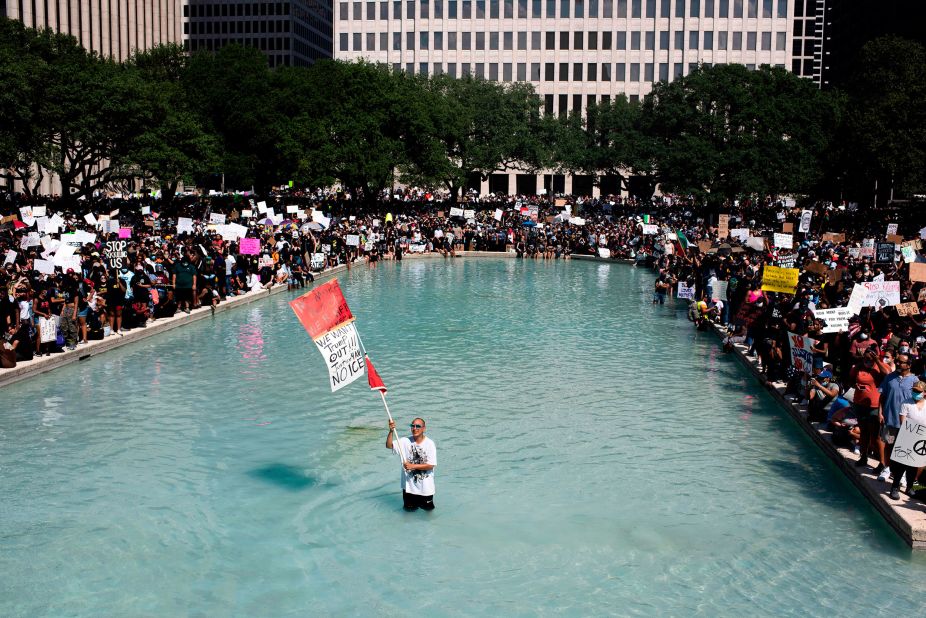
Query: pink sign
[[125, 232], [249, 246]]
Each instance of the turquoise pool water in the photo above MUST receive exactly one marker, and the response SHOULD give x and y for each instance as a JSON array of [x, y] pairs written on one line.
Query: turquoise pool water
[[596, 456]]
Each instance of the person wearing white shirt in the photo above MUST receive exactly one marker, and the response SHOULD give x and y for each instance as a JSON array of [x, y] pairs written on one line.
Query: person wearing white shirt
[[419, 457]]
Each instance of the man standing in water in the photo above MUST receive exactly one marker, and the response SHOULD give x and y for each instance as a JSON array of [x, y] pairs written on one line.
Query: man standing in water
[[419, 456]]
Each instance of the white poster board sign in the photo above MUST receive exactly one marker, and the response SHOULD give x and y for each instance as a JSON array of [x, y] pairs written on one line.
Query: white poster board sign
[[910, 445], [784, 241]]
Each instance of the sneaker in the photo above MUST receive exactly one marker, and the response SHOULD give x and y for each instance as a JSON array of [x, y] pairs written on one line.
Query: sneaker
[[895, 493], [884, 474]]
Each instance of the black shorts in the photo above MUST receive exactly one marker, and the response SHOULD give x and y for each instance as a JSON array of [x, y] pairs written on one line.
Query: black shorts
[[413, 502], [183, 295]]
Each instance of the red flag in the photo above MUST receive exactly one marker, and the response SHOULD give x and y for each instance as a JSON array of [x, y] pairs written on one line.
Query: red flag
[[376, 382]]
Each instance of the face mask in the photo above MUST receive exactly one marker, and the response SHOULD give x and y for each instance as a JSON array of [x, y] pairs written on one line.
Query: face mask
[[917, 396], [904, 348]]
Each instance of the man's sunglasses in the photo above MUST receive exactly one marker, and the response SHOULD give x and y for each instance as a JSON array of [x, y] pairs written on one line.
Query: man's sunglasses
[[416, 426]]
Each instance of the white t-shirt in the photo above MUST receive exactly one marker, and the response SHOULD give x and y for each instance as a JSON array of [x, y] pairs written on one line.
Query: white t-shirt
[[230, 264], [418, 482], [910, 411]]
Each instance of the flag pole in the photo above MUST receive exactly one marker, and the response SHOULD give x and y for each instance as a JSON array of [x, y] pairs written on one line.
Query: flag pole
[[395, 434]]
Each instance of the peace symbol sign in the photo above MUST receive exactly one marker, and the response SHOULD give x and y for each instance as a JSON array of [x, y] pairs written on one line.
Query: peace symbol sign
[[920, 447]]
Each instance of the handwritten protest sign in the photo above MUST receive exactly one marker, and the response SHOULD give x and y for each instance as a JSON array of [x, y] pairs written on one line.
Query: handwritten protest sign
[[723, 226], [815, 267], [909, 255], [704, 246], [891, 229], [775, 279], [740, 233], [249, 246], [756, 243], [353, 240], [784, 241], [905, 309], [649, 229], [835, 320], [604, 252], [881, 294], [125, 232], [719, 291], [868, 248], [801, 352], [686, 291], [834, 237], [787, 228], [456, 212], [885, 253], [910, 444]]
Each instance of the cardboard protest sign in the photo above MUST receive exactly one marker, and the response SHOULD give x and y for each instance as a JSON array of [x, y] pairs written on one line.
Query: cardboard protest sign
[[787, 228], [894, 238], [685, 291], [719, 290], [775, 279], [723, 226], [740, 233], [46, 267], [868, 248], [817, 268], [910, 444], [801, 352], [756, 243], [705, 245], [834, 237], [905, 309], [917, 271]]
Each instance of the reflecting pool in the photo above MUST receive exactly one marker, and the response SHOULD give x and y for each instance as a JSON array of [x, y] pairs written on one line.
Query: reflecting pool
[[596, 456]]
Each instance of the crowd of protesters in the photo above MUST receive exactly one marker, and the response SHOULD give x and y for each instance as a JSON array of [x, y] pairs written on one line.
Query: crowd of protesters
[[189, 254]]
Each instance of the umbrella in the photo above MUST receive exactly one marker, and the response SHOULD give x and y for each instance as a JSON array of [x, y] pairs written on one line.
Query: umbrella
[[529, 224], [314, 225]]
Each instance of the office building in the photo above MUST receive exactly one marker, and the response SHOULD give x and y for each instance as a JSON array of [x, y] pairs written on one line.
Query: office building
[[290, 33], [112, 28]]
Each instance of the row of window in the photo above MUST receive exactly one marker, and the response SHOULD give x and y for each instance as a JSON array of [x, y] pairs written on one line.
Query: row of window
[[578, 40], [236, 9], [236, 27], [558, 72], [313, 44], [522, 9]]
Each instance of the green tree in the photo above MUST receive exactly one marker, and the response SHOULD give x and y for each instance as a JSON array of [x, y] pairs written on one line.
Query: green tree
[[726, 131], [887, 113], [479, 127], [173, 144]]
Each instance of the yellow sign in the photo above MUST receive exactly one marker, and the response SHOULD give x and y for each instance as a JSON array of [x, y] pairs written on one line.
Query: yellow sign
[[775, 279], [388, 217]]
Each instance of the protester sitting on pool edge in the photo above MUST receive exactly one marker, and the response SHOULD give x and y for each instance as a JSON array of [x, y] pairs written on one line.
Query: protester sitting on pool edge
[[419, 457]]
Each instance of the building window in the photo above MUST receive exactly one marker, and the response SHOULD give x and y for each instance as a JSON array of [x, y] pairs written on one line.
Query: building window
[[467, 41], [737, 8], [451, 40], [709, 40], [721, 40], [679, 8], [384, 41], [422, 68], [480, 70], [753, 8], [766, 41], [663, 71], [344, 11], [551, 40], [493, 9], [782, 8], [606, 40], [679, 40], [438, 40], [451, 11], [621, 40], [535, 71], [549, 71], [606, 72], [409, 40], [548, 105], [422, 40], [425, 9], [620, 74], [634, 71], [371, 11], [664, 39], [593, 40], [371, 41], [493, 40], [678, 70], [535, 39], [563, 104], [695, 7], [593, 8], [579, 9], [577, 71], [358, 41], [723, 8], [509, 9], [344, 41], [780, 40], [708, 8], [493, 71], [577, 40], [635, 40], [621, 9], [564, 71], [564, 40], [737, 41], [508, 40], [397, 41], [522, 40], [480, 41], [564, 8], [506, 72], [648, 72], [467, 9], [751, 41], [636, 8], [592, 72], [438, 9], [693, 39], [607, 9], [522, 71]]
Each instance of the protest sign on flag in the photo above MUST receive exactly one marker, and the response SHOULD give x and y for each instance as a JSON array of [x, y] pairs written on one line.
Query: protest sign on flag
[[324, 314]]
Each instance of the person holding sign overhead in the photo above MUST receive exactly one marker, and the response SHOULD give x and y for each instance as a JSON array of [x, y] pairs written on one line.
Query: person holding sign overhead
[[913, 411], [419, 456]]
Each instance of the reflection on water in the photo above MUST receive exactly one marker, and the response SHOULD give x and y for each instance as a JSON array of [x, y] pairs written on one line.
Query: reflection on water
[[596, 456]]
